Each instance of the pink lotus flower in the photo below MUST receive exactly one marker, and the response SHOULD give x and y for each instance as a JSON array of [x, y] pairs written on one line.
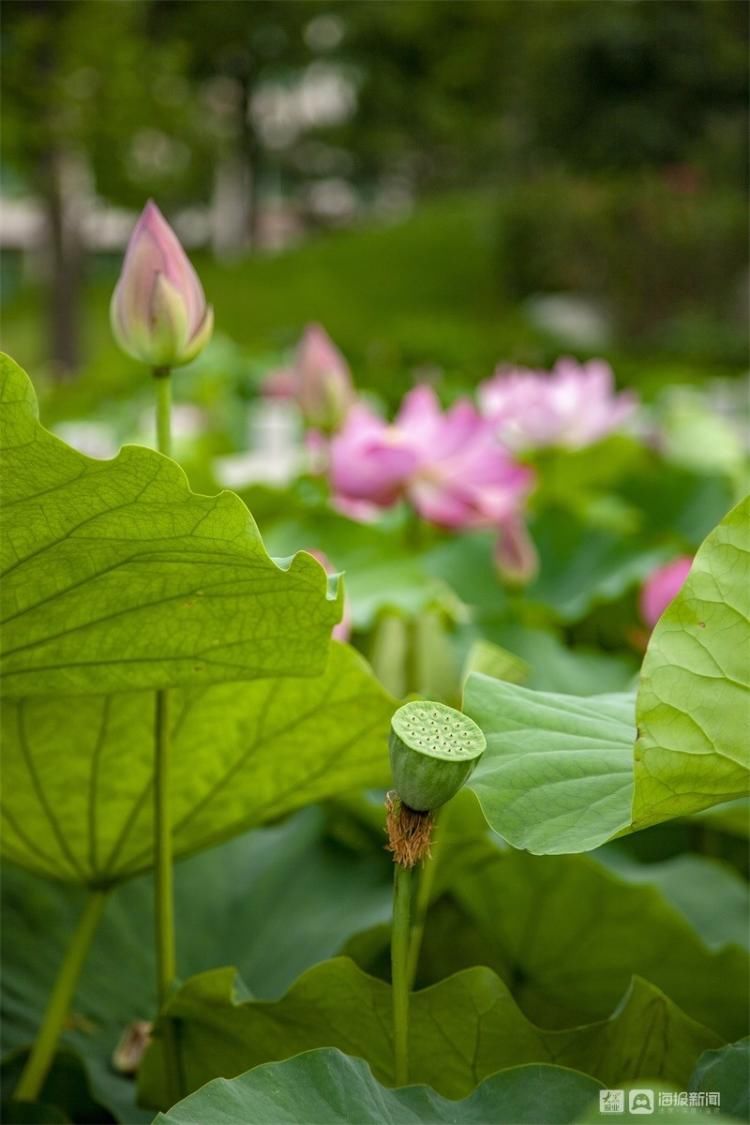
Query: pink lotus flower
[[370, 460], [448, 465], [319, 380], [158, 311], [463, 478], [572, 406], [661, 587]]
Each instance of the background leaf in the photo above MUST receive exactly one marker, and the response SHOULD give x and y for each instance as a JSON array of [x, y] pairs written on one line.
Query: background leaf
[[567, 933], [573, 935], [461, 1030], [65, 1094], [694, 697], [583, 566], [708, 893], [382, 573], [557, 774], [727, 1071], [77, 799], [557, 667], [116, 577], [326, 1087]]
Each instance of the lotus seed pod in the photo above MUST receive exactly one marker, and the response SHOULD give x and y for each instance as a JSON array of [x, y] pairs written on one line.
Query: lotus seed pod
[[434, 749]]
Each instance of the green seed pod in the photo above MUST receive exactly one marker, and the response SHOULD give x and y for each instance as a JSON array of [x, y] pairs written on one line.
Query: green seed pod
[[434, 749]]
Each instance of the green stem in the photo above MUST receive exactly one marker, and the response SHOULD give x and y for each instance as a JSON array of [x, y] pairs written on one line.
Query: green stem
[[166, 957], [60, 1000], [163, 410], [400, 971], [422, 902], [164, 906]]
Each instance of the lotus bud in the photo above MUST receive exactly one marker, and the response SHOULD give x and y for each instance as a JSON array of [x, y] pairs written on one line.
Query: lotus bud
[[324, 388], [516, 557], [342, 631], [158, 312], [433, 750]]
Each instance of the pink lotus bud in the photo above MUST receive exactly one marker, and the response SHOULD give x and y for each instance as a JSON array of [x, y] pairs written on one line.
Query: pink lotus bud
[[342, 631], [661, 587], [281, 383], [324, 387], [158, 312], [516, 556]]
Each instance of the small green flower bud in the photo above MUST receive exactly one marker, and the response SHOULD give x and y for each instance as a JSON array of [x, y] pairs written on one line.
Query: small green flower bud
[[434, 749]]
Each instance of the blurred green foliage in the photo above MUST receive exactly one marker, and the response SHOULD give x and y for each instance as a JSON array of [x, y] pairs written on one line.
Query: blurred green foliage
[[662, 253], [413, 297]]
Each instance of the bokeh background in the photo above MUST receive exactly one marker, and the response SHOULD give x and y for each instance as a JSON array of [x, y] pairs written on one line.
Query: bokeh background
[[443, 185]]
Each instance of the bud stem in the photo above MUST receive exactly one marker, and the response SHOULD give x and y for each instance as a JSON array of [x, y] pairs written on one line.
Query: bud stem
[[400, 935], [166, 958], [162, 375]]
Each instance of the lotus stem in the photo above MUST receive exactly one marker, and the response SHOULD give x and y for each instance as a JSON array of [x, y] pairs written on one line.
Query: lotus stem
[[422, 898], [58, 1006], [400, 970], [165, 945]]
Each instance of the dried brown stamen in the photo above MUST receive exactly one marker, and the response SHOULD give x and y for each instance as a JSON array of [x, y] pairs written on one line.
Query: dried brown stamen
[[409, 831]]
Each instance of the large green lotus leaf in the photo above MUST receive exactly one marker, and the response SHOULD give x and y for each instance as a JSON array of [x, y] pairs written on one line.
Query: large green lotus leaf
[[78, 773], [270, 900], [326, 1087], [461, 1030], [116, 577], [557, 775], [693, 706]]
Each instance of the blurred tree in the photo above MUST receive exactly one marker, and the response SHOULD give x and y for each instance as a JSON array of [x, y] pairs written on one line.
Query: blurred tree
[[233, 51], [91, 104], [457, 93]]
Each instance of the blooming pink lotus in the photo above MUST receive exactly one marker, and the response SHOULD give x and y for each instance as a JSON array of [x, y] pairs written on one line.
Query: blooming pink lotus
[[449, 464], [319, 380], [661, 587], [572, 406], [158, 311], [369, 460]]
